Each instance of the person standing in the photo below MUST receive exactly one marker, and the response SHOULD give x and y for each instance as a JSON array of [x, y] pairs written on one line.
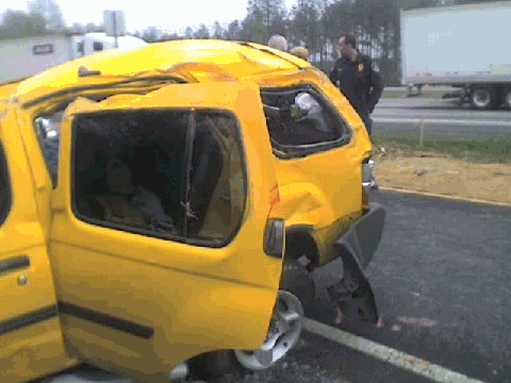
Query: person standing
[[278, 42], [301, 52], [358, 78]]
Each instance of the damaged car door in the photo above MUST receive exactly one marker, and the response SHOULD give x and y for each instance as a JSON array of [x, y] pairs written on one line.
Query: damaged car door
[[160, 215]]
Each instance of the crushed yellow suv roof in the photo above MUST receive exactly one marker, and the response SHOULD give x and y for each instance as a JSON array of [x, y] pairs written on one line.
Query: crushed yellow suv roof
[[233, 60]]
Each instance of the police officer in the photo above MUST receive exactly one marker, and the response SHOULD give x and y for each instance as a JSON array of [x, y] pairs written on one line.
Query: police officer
[[357, 78]]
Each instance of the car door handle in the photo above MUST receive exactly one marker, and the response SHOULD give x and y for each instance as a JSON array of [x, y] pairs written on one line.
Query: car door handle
[[13, 264]]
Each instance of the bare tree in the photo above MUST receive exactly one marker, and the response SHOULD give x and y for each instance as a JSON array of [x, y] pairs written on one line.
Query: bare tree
[[150, 34], [252, 28], [202, 32], [305, 24], [218, 31], [51, 12], [78, 28], [170, 36], [91, 27], [335, 19], [318, 24], [19, 24], [189, 32], [233, 30], [264, 18]]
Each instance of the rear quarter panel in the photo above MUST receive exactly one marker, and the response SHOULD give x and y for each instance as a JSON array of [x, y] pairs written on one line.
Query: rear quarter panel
[[323, 190]]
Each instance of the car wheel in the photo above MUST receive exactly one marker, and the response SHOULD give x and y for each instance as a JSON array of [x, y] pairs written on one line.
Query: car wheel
[[283, 334], [483, 97], [296, 291]]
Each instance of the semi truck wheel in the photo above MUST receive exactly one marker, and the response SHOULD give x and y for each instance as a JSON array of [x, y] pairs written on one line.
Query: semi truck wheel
[[414, 90], [507, 98], [483, 97]]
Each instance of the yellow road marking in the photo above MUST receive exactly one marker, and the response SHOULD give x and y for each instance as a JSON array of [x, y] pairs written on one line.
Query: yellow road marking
[[447, 197]]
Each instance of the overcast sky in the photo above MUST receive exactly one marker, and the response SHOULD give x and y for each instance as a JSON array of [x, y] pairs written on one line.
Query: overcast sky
[[172, 15]]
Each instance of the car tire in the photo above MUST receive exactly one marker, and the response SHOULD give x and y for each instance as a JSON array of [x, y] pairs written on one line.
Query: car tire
[[483, 97], [507, 98], [283, 333], [296, 292]]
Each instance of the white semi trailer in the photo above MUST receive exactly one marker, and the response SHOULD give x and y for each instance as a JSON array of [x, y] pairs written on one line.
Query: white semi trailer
[[463, 46], [29, 55]]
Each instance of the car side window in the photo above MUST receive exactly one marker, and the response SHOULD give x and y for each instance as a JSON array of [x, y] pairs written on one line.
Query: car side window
[[301, 117], [128, 169], [170, 174], [217, 187], [5, 187]]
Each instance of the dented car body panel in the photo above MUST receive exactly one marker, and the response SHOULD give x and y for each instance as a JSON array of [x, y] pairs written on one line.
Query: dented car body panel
[[152, 175]]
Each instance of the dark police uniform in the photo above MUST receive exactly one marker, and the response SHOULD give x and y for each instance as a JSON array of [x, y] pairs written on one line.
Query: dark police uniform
[[361, 84]]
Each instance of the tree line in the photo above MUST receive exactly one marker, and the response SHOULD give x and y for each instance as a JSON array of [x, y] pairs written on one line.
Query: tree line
[[315, 24]]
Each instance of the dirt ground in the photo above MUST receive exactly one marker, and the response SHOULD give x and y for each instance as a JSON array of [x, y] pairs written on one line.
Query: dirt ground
[[433, 173]]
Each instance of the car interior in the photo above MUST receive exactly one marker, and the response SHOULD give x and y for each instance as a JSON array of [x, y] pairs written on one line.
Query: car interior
[[153, 144], [299, 116]]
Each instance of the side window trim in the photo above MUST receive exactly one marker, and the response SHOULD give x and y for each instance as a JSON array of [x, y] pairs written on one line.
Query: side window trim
[[186, 185]]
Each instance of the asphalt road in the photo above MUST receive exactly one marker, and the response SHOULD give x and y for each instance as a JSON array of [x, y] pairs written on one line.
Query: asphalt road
[[440, 118], [441, 279]]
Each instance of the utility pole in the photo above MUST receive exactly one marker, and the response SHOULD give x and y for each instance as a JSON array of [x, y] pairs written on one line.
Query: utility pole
[[115, 25], [115, 29]]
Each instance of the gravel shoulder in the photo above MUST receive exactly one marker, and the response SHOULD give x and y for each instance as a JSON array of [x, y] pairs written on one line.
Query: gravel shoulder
[[433, 173]]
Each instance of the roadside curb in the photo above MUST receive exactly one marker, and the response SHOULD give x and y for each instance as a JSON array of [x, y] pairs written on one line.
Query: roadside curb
[[447, 197]]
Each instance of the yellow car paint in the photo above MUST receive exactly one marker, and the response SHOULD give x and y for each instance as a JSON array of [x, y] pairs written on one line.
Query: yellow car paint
[[227, 293]]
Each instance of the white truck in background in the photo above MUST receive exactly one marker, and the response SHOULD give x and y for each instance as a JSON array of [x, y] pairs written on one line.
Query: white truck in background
[[29, 55], [463, 46]]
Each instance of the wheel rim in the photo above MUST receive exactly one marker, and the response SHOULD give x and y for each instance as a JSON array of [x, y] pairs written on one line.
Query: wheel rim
[[481, 98], [285, 329], [508, 99]]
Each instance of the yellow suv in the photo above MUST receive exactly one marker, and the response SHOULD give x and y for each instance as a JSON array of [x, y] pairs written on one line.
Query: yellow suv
[[171, 209]]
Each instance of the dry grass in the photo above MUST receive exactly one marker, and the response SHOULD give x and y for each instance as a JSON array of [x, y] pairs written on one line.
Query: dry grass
[[435, 173]]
